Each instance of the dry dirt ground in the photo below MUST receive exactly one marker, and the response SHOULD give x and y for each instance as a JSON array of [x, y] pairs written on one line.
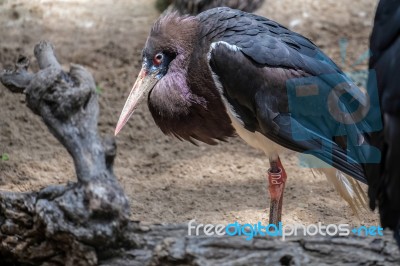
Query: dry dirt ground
[[165, 179]]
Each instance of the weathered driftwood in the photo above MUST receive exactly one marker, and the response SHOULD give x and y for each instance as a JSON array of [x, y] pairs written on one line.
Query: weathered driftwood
[[170, 245], [87, 222], [64, 223]]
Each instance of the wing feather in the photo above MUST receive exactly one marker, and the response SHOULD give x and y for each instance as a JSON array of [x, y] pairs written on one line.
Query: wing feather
[[254, 78]]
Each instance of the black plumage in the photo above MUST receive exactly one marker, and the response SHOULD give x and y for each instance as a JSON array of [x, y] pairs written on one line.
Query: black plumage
[[254, 79], [384, 178]]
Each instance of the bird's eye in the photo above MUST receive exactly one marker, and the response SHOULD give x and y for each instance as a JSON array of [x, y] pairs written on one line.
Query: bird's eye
[[157, 60]]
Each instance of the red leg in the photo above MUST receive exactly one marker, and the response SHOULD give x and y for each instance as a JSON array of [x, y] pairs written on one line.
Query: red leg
[[276, 178]]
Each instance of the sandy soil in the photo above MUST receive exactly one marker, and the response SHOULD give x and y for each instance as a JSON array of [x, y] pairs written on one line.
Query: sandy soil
[[166, 180]]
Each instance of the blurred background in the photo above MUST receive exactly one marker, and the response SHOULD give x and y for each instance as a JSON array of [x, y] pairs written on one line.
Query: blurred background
[[166, 180]]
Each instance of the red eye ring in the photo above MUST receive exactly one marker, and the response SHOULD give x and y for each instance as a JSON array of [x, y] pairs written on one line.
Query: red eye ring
[[157, 60]]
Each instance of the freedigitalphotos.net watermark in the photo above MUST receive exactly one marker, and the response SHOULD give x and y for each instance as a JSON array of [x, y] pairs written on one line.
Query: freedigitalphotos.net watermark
[[249, 231]]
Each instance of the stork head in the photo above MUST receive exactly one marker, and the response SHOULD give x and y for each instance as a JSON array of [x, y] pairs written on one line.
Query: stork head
[[167, 51]]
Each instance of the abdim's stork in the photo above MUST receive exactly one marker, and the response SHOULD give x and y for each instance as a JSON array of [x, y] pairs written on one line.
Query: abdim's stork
[[225, 71]]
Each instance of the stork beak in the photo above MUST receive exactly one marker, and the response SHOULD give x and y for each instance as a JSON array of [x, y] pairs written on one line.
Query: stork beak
[[143, 85]]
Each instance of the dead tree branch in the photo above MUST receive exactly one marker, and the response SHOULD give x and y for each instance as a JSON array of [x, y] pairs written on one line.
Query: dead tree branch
[[64, 223]]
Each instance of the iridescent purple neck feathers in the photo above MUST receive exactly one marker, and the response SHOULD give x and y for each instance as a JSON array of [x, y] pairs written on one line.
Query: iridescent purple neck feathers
[[185, 102]]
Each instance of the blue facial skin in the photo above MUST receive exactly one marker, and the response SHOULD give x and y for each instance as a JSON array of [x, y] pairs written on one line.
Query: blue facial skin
[[160, 70]]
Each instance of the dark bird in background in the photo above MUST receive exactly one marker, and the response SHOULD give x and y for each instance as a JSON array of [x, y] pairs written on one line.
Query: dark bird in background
[[195, 7], [224, 72], [384, 178]]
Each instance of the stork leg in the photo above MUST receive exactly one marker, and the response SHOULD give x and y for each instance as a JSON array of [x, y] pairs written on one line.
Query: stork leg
[[276, 178]]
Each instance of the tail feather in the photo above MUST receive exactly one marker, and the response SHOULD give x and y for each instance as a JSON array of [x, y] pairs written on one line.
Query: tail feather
[[348, 188]]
